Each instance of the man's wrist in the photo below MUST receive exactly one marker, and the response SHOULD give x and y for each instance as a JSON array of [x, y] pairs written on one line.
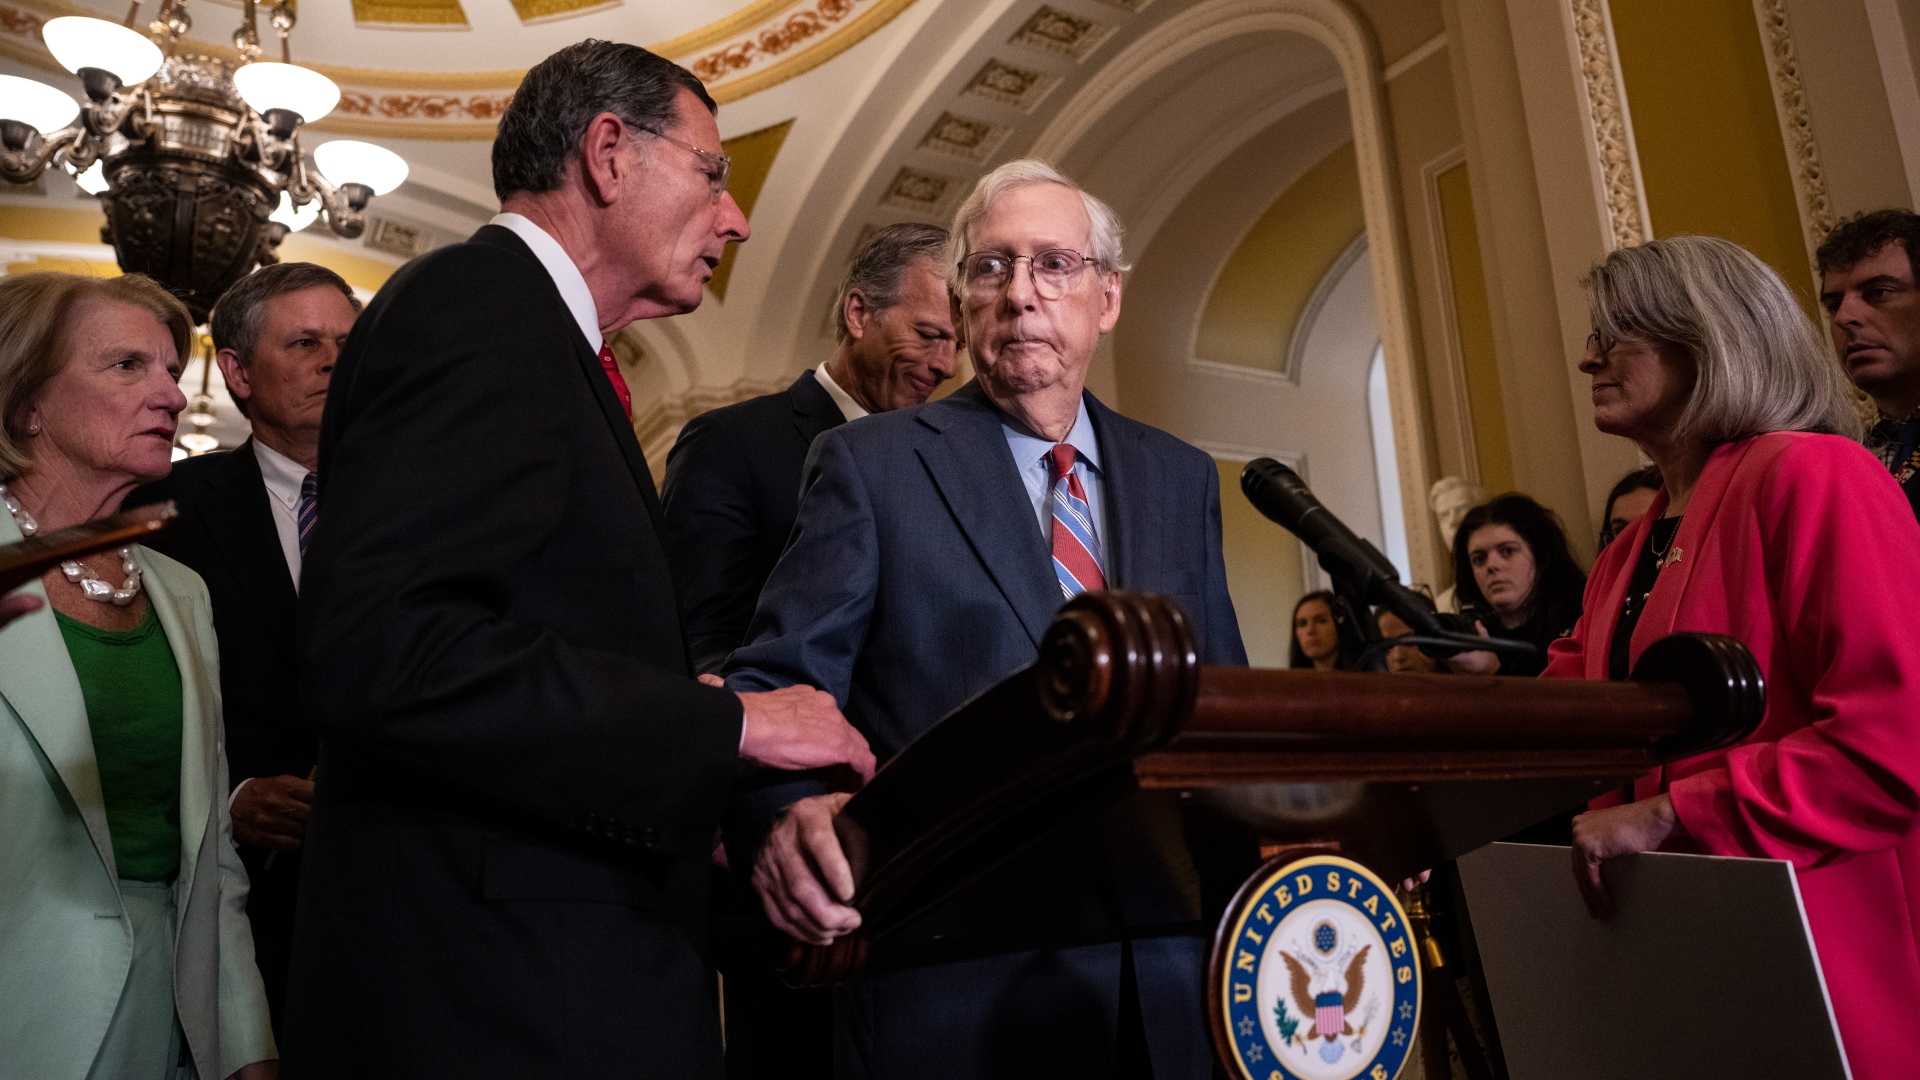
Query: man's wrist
[[235, 794]]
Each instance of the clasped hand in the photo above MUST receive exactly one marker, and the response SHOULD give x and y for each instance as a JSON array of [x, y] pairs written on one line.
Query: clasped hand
[[1599, 835]]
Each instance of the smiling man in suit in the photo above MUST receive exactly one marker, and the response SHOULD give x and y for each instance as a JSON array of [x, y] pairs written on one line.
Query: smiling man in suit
[[731, 492], [520, 779], [276, 335], [933, 547]]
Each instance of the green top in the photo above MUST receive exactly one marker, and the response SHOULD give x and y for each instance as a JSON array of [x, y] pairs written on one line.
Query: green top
[[132, 689]]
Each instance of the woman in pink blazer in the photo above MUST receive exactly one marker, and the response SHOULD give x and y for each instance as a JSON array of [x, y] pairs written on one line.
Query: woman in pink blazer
[[1777, 528]]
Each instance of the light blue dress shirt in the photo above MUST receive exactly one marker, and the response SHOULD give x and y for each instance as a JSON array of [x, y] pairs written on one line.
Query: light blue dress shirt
[[1030, 454]]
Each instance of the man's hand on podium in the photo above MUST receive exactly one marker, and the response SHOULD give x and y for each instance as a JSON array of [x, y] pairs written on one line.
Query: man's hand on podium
[[798, 727], [803, 877], [1599, 835]]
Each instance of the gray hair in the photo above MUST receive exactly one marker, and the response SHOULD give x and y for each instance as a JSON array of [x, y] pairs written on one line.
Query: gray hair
[[540, 132], [1105, 237], [241, 311], [1760, 363], [882, 263]]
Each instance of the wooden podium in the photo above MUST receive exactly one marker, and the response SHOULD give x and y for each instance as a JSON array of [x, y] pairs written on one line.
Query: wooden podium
[[1398, 773]]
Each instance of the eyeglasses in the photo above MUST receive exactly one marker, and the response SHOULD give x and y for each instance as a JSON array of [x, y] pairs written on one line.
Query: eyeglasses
[[986, 272], [717, 165], [1597, 343]]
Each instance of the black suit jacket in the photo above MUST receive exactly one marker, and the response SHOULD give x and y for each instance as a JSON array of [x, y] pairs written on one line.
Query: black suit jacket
[[227, 535], [731, 494], [519, 780]]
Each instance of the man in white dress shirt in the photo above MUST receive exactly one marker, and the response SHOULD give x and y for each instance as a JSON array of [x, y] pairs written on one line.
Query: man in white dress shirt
[[276, 333], [520, 779]]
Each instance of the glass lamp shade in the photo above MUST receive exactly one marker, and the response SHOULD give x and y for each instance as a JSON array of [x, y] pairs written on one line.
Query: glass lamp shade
[[77, 42], [347, 161], [94, 180], [36, 103], [294, 217], [267, 85]]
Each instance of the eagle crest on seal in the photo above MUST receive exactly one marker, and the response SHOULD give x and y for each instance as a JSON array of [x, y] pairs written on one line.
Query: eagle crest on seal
[[1329, 1009]]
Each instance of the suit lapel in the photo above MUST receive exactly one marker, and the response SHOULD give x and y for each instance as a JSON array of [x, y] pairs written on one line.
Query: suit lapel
[[970, 464], [240, 518], [172, 595], [1663, 606], [38, 681], [814, 410], [1132, 544], [587, 360], [1601, 622]]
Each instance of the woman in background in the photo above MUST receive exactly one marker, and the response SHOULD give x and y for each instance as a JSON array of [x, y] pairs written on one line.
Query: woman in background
[[1404, 659], [1516, 576], [124, 947], [1777, 528], [1628, 502], [1322, 640]]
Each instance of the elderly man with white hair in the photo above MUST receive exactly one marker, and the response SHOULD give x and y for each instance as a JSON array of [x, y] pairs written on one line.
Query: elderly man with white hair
[[933, 547]]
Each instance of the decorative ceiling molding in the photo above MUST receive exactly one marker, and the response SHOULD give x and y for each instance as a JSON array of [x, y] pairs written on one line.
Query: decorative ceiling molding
[[759, 46], [409, 15], [1612, 144], [1796, 122], [545, 11], [1008, 85]]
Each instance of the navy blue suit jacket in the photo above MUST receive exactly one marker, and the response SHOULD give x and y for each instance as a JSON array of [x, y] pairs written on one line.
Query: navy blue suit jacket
[[918, 576]]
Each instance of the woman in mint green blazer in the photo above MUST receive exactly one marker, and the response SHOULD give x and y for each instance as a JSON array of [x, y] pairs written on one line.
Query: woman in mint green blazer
[[124, 947]]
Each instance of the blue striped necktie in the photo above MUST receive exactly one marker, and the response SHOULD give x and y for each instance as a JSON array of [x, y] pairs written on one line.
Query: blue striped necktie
[[1076, 551], [309, 512]]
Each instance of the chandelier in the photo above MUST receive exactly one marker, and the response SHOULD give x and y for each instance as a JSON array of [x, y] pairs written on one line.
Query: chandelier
[[197, 161]]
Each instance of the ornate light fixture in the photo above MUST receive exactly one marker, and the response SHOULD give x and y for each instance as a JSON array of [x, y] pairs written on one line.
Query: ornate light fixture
[[198, 162]]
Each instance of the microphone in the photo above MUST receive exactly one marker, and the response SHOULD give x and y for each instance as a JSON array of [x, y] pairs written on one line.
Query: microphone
[[1280, 494], [1368, 576]]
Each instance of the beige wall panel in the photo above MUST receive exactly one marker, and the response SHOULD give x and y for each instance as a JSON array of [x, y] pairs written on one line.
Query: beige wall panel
[[1536, 354], [1553, 229], [1852, 120], [1426, 126], [1401, 26]]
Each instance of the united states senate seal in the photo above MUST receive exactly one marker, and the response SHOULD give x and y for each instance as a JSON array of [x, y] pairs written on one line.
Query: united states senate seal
[[1316, 975]]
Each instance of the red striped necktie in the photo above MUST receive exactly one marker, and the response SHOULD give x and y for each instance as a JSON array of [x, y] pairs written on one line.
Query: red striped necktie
[[618, 380], [1076, 558]]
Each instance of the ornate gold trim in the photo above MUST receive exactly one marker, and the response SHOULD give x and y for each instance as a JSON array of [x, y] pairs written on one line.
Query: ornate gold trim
[[1796, 121], [21, 19], [853, 33], [410, 14], [720, 30], [1607, 111]]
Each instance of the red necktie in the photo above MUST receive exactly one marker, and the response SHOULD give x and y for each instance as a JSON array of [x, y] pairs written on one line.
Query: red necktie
[[618, 380], [1074, 544]]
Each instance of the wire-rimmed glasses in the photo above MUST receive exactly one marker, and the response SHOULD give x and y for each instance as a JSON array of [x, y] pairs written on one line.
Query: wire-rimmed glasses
[[718, 165], [1053, 271]]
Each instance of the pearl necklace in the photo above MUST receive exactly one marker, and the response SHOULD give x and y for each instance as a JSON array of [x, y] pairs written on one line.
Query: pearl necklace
[[81, 575]]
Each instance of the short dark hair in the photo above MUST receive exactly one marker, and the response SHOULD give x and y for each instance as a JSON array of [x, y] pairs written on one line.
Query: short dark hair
[[540, 132], [881, 264], [1553, 604], [237, 316], [1860, 236], [1647, 479]]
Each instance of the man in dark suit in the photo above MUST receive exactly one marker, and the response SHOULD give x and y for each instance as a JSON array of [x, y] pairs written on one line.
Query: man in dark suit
[[731, 492], [520, 780], [276, 333], [932, 549], [733, 476]]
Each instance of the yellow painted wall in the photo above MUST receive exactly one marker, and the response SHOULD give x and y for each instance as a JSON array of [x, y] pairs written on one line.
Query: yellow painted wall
[[1704, 124], [1265, 285], [752, 155], [1263, 572], [1473, 330]]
